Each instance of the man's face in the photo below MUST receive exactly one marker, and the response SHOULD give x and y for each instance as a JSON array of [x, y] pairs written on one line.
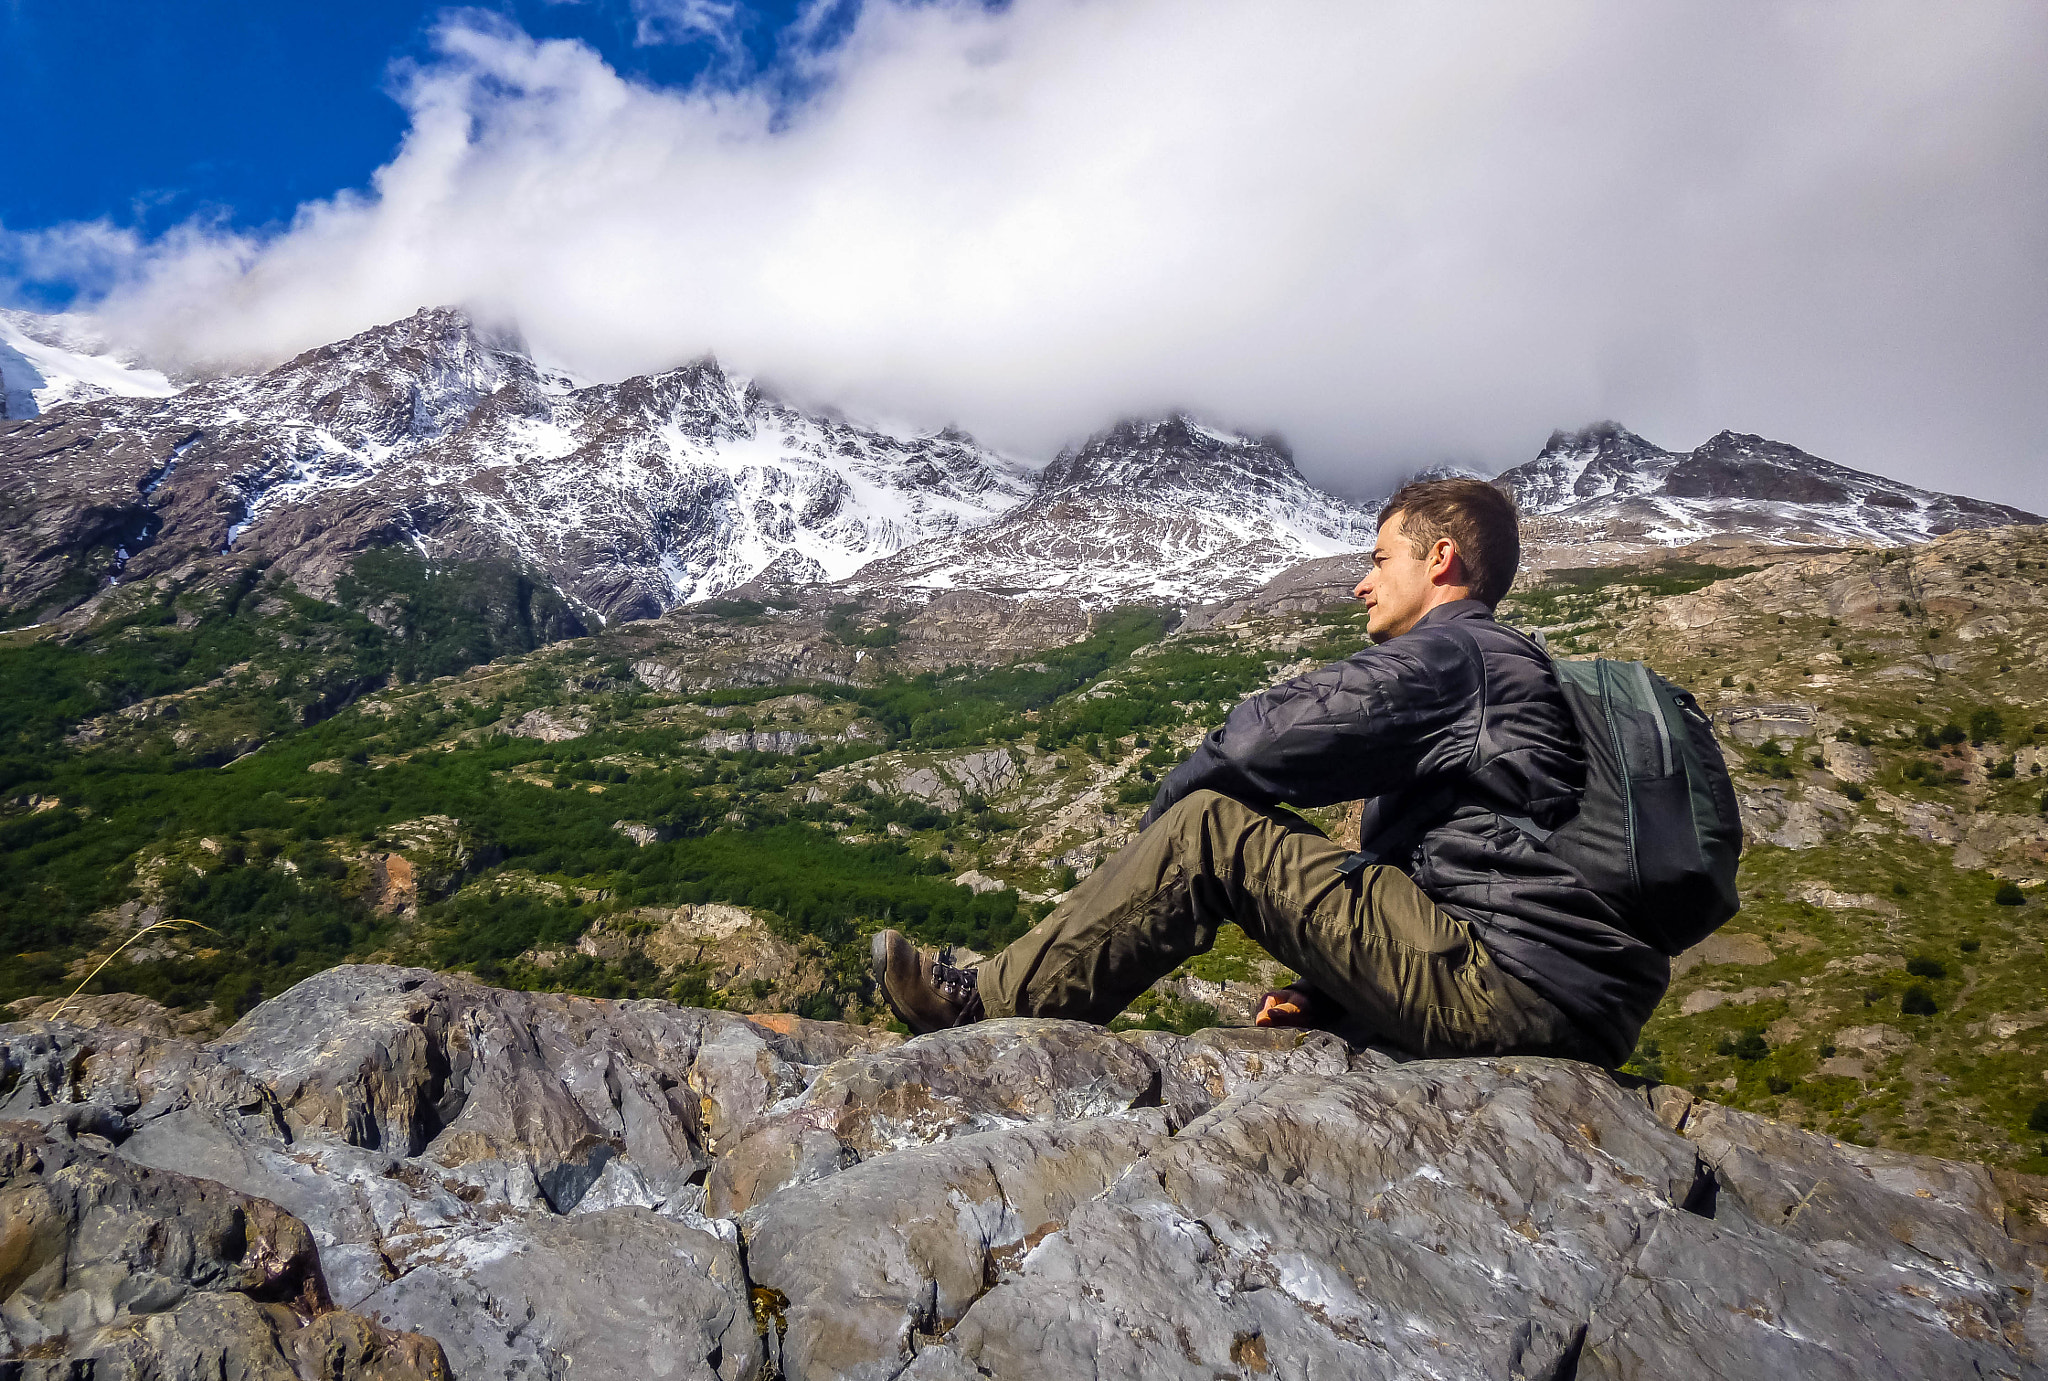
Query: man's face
[[1397, 590]]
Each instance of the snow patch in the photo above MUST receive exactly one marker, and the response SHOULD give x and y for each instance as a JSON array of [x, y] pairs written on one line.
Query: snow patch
[[45, 365]]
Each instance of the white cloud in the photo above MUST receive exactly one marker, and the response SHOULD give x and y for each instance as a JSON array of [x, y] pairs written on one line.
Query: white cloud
[[686, 21], [96, 255], [1398, 233]]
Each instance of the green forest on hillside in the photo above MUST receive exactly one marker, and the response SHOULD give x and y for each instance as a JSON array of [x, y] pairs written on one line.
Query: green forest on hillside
[[281, 895]]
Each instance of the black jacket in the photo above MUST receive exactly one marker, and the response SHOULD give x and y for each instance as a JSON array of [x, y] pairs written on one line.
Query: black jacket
[[1476, 708]]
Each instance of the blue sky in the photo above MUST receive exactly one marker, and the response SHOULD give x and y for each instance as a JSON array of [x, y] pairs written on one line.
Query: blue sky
[[149, 112]]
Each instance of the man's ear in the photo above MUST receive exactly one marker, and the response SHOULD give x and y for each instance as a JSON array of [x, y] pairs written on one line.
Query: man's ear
[[1446, 567]]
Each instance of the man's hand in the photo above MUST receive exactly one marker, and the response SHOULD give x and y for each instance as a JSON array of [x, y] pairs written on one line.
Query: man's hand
[[1289, 1007]]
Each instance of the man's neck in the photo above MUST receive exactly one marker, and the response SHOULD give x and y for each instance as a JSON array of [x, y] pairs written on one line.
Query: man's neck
[[1442, 595], [1445, 595]]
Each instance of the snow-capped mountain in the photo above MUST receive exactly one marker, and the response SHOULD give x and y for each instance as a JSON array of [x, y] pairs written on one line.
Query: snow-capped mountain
[[1157, 511], [631, 498], [47, 361], [628, 497], [1607, 488]]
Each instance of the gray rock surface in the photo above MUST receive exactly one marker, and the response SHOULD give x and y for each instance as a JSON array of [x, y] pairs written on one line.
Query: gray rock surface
[[547, 1186], [120, 1270]]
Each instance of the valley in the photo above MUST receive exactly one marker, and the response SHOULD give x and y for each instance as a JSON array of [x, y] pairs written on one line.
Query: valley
[[718, 805], [412, 649]]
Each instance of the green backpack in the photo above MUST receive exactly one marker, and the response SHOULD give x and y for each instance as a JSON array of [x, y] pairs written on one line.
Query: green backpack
[[1658, 833]]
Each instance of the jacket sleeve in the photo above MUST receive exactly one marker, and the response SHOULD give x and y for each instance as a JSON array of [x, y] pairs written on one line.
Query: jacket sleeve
[[1367, 725]]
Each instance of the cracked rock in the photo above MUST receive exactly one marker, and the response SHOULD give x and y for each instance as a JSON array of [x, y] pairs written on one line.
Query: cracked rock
[[388, 1172]]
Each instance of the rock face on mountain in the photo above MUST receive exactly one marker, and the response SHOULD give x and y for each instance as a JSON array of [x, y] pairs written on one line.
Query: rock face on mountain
[[1610, 491], [429, 432], [1146, 512], [383, 1167]]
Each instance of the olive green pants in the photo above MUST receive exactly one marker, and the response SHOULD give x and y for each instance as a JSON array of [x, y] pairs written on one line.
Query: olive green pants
[[1407, 974]]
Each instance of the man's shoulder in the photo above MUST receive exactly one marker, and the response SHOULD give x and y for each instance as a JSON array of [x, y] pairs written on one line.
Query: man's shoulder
[[1453, 646], [1513, 665], [1441, 658]]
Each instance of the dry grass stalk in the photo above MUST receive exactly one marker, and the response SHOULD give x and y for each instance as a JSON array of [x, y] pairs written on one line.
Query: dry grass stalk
[[153, 925]]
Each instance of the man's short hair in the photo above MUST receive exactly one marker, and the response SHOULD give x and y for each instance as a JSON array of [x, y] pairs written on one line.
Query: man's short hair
[[1479, 519]]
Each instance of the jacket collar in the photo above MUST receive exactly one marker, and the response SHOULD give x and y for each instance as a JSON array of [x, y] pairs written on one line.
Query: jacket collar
[[1456, 609]]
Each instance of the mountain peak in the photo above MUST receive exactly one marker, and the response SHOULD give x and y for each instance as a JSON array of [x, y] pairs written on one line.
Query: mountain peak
[[1163, 510], [1603, 458], [699, 396], [1604, 438], [1447, 470], [1167, 454], [415, 378], [429, 328], [1605, 484]]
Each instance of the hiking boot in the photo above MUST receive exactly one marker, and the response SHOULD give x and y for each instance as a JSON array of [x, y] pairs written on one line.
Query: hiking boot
[[923, 989]]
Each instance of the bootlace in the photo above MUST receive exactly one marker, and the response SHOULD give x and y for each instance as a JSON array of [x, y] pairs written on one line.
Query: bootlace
[[957, 985]]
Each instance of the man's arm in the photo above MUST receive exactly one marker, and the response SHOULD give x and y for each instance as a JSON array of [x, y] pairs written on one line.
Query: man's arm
[[1367, 725]]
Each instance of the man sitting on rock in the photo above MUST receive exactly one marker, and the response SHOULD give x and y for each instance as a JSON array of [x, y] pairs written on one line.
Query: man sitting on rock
[[1468, 939]]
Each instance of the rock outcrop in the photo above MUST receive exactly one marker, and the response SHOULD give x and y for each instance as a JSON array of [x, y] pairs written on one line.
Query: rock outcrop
[[383, 1168], [728, 947], [131, 1271]]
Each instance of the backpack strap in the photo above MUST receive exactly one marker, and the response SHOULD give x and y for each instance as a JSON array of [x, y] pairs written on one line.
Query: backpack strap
[[1418, 810], [1390, 845], [1534, 637]]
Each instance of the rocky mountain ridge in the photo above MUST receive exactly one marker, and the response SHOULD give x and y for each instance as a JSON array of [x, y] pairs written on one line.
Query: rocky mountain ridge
[[439, 1178], [629, 498], [434, 436], [1606, 491]]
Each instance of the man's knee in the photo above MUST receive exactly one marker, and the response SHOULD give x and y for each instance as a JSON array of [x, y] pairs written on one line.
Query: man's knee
[[1206, 805], [1205, 810], [1197, 816], [1199, 802]]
